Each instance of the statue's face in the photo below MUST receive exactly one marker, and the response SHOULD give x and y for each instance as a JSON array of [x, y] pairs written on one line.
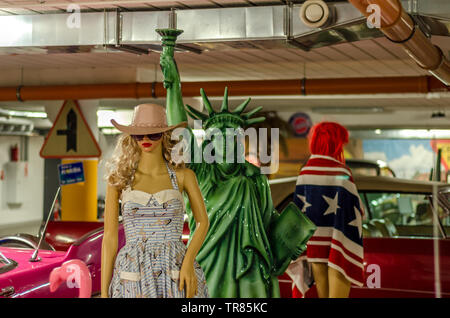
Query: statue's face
[[224, 140]]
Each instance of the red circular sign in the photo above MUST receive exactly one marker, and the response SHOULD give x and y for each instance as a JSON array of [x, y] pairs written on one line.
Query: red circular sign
[[301, 123]]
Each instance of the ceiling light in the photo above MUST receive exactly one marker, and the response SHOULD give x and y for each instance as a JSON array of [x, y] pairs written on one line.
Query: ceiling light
[[13, 28], [110, 131], [401, 134], [104, 117], [347, 110], [21, 113], [425, 133], [433, 95]]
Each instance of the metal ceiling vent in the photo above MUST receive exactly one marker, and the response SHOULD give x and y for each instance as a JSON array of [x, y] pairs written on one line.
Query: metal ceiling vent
[[15, 126], [316, 14], [309, 25]]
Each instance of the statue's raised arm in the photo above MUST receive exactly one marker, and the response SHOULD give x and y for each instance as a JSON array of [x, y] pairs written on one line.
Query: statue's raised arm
[[174, 100]]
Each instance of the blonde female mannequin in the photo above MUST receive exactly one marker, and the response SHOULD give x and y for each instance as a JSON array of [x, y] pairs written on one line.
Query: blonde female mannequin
[[154, 261]]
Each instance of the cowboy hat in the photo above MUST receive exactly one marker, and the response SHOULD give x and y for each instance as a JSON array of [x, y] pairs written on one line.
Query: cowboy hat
[[147, 119]]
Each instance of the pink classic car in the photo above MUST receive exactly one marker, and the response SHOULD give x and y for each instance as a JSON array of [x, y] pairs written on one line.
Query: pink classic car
[[22, 278]]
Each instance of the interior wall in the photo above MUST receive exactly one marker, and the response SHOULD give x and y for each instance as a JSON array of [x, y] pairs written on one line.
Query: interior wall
[[107, 144], [27, 217], [51, 181]]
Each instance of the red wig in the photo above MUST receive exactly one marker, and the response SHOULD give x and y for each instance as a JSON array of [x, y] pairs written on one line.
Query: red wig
[[328, 139]]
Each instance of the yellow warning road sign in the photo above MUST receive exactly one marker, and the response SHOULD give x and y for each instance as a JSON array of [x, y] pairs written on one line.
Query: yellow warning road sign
[[70, 136]]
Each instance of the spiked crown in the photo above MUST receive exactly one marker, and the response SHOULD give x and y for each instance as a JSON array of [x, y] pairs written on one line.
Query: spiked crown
[[235, 116]]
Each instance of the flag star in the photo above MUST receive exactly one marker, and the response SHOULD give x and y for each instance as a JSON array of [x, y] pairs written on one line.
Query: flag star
[[305, 204], [332, 204], [357, 221]]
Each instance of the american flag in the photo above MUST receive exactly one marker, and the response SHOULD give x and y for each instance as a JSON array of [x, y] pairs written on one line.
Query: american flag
[[325, 191]]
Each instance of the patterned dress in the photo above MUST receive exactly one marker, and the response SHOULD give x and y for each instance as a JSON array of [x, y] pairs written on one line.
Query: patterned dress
[[149, 264]]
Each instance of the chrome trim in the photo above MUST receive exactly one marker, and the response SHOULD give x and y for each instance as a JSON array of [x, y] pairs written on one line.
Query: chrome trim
[[7, 261], [9, 265], [436, 214], [7, 291], [282, 180], [34, 257], [25, 239], [14, 238]]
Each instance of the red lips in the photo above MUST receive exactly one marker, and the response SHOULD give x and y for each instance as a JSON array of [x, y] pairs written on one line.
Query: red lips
[[146, 144]]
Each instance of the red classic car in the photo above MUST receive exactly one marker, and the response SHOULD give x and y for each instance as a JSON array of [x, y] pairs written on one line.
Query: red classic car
[[401, 246]]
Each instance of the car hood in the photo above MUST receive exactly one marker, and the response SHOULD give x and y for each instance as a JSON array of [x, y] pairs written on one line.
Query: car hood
[[28, 272]]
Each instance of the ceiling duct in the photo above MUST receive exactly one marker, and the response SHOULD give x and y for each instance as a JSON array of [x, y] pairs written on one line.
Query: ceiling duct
[[204, 29], [15, 126], [402, 28], [259, 27], [306, 87]]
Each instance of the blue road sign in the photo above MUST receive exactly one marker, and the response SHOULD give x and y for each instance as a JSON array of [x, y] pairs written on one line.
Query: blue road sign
[[71, 173]]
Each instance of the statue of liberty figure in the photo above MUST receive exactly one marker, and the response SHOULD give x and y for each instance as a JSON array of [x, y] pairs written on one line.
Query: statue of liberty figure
[[239, 254]]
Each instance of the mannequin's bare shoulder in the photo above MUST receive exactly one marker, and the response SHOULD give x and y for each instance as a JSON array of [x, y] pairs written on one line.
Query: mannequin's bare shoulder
[[186, 172], [185, 176]]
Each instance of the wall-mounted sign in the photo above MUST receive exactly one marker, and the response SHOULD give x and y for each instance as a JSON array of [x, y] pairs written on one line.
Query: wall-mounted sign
[[70, 173], [70, 136], [444, 145], [301, 124]]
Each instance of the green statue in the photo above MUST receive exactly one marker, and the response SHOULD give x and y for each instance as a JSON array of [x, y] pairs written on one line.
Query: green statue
[[244, 249]]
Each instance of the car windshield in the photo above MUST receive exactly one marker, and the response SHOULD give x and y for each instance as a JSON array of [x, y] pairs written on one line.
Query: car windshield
[[404, 214]]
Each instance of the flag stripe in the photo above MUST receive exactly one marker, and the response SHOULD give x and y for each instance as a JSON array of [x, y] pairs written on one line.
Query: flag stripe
[[328, 180], [327, 158], [337, 169]]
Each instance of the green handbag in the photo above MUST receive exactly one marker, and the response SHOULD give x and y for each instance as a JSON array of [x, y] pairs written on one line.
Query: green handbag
[[288, 237]]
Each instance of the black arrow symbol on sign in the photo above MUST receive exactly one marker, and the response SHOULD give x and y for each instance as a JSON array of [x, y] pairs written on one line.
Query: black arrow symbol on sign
[[70, 132]]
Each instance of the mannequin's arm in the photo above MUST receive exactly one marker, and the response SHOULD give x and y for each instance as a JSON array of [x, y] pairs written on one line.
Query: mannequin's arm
[[187, 274], [110, 238]]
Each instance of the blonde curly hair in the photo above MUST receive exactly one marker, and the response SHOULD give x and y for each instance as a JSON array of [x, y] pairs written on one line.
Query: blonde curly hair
[[125, 159]]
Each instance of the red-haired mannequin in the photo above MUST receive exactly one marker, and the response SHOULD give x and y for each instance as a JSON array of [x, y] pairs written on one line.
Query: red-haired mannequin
[[326, 193], [328, 139]]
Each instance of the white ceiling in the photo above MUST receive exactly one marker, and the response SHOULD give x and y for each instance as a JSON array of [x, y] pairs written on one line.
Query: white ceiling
[[368, 58]]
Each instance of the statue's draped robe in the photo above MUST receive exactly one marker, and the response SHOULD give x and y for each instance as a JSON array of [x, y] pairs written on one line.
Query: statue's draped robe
[[236, 255]]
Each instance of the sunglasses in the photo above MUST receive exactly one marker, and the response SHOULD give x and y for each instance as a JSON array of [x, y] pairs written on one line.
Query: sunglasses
[[153, 137]]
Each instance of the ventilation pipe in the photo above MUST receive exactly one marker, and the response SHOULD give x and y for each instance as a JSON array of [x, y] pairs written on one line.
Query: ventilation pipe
[[399, 27], [323, 86]]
